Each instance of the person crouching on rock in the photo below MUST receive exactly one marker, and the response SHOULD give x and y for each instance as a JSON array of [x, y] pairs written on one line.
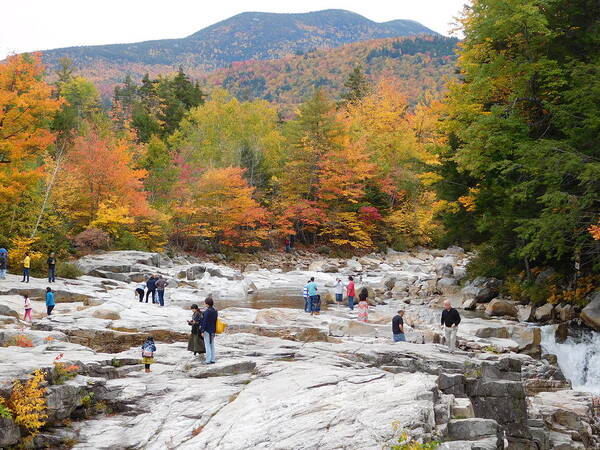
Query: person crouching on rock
[[450, 321], [196, 342], [50, 304], [139, 291], [363, 305], [209, 329], [148, 349]]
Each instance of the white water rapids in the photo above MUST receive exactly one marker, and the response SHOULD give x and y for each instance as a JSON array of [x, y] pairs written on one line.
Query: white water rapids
[[578, 357]]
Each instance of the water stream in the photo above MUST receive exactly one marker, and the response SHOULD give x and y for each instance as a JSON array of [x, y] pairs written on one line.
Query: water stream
[[578, 357]]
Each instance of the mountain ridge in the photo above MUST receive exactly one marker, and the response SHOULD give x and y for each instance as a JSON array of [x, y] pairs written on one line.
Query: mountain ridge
[[245, 36]]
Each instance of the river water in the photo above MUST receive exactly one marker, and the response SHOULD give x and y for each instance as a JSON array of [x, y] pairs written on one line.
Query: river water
[[578, 357]]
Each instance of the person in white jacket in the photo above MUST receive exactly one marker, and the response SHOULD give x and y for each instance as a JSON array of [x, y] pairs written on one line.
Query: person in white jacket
[[339, 291]]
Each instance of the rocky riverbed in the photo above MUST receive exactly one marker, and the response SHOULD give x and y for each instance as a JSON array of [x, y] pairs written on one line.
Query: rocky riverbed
[[284, 379]]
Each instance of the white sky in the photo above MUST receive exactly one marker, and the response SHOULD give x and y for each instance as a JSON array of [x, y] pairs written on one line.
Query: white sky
[[28, 25]]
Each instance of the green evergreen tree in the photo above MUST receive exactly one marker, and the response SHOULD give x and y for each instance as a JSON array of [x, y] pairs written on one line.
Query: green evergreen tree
[[356, 87]]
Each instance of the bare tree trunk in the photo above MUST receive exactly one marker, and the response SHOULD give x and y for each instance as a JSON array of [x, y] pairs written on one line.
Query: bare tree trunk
[[48, 190]]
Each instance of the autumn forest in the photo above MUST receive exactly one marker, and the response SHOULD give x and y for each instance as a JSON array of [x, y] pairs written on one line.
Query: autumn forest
[[500, 153]]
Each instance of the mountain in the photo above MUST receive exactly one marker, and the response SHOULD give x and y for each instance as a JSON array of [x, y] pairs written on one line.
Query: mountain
[[246, 36], [423, 64]]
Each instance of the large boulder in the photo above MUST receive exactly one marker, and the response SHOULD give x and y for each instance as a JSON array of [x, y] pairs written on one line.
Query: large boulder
[[526, 313], [389, 281], [471, 429], [6, 311], [447, 286], [544, 313], [591, 313], [501, 307], [10, 434], [443, 268], [482, 289]]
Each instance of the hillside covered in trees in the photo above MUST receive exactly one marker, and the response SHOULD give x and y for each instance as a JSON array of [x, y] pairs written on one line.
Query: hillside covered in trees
[[507, 162], [246, 36]]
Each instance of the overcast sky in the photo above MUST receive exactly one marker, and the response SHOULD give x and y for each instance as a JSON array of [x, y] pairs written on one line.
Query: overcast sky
[[28, 25]]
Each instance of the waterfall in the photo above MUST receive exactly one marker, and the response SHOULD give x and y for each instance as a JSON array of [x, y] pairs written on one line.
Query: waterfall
[[578, 357]]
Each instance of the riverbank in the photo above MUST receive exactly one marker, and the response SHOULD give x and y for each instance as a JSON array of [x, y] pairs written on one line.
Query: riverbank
[[284, 379]]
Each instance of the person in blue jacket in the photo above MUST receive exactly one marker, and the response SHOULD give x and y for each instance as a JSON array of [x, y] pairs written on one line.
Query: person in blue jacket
[[209, 328], [49, 300]]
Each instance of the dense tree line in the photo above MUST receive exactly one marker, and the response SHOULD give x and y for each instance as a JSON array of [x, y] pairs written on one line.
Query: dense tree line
[[508, 164]]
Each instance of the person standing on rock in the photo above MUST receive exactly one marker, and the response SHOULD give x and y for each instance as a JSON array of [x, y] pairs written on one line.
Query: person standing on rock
[[209, 329], [148, 349], [350, 292], [26, 267], [398, 327], [450, 321], [339, 291], [3, 265], [151, 285], [363, 305], [49, 300], [195, 342], [312, 294], [51, 268], [27, 304], [306, 297], [139, 291], [161, 284]]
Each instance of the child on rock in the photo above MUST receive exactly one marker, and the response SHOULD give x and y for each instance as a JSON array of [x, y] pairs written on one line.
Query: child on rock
[[148, 349]]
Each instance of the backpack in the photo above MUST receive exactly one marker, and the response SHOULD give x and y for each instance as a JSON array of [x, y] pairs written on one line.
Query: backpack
[[146, 352], [220, 326]]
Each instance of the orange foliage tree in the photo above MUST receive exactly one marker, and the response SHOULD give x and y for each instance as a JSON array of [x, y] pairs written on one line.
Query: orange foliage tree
[[99, 173], [26, 109], [220, 209]]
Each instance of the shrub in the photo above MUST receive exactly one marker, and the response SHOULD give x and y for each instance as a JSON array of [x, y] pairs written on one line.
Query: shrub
[[28, 403], [20, 340], [68, 270], [128, 241], [323, 250], [62, 371], [405, 442], [92, 239], [5, 412]]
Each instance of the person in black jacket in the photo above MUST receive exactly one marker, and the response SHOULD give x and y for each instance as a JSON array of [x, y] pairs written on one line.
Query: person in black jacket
[[51, 268], [195, 342], [151, 285], [450, 321], [209, 328]]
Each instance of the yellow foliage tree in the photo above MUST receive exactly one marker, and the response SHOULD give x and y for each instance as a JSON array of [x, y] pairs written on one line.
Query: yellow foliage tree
[[112, 217], [28, 403]]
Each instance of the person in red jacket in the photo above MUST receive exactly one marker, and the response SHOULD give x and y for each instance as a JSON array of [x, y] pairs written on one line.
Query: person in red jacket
[[350, 293]]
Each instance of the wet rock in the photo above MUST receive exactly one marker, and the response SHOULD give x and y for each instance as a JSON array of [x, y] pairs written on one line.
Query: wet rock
[[562, 333], [544, 313], [590, 315], [565, 312], [501, 307]]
